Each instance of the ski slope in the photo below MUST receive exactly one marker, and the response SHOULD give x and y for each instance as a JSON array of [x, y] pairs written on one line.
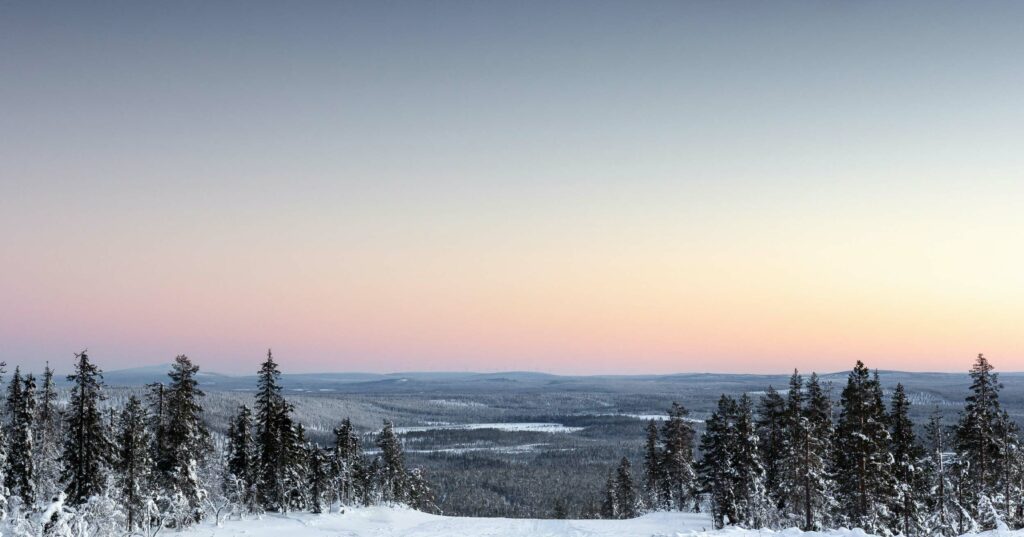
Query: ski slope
[[395, 522]]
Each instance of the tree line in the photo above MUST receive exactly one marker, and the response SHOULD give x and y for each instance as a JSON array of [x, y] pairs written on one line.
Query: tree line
[[798, 458], [79, 469]]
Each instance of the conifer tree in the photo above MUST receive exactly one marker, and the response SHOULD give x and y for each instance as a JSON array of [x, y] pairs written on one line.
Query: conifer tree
[[46, 452], [754, 508], [610, 505], [187, 439], [978, 439], [677, 459], [864, 465], [133, 464], [718, 478], [941, 515], [346, 461], [625, 493], [393, 477], [20, 477], [319, 478], [652, 469], [241, 461], [87, 449], [807, 484], [3, 459], [275, 438], [908, 462], [771, 411]]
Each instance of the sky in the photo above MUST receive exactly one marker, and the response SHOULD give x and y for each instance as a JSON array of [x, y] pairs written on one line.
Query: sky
[[572, 187]]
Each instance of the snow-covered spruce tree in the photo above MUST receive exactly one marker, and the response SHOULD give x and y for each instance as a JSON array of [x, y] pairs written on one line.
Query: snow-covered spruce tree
[[21, 407], [421, 496], [345, 463], [369, 481], [941, 519], [319, 469], [87, 448], [1011, 468], [978, 440], [909, 510], [754, 509], [294, 465], [715, 470], [771, 411], [47, 435], [677, 459], [393, 476], [241, 477], [187, 441], [273, 434], [864, 465], [610, 505], [653, 476], [3, 458], [625, 491], [806, 482], [133, 464]]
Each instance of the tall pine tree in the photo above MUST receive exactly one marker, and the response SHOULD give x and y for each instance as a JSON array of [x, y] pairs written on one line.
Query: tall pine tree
[[87, 448]]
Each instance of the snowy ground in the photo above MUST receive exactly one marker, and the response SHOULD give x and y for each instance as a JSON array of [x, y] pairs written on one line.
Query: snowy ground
[[389, 522]]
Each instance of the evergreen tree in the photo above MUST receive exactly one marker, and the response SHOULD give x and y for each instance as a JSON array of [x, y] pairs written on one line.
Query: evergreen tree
[[346, 462], [46, 453], [186, 437], [319, 478], [771, 412], [21, 407], [625, 493], [610, 505], [717, 474], [87, 449], [807, 484], [754, 508], [864, 464], [677, 459], [3, 460], [272, 429], [978, 439], [393, 477], [941, 518], [133, 464], [242, 461], [653, 477], [908, 461]]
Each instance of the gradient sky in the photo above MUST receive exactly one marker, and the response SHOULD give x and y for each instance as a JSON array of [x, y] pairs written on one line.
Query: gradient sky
[[581, 187]]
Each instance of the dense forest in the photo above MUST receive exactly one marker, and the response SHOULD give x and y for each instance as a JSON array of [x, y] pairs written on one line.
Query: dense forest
[[70, 469], [798, 459]]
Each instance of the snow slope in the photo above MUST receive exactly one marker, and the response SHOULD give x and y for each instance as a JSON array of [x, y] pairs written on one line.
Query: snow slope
[[392, 522]]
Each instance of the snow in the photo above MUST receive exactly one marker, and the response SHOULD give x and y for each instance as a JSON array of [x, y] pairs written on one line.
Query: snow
[[397, 522], [513, 427]]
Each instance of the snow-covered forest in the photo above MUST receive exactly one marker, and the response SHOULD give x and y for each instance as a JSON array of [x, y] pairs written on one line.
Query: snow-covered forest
[[73, 464]]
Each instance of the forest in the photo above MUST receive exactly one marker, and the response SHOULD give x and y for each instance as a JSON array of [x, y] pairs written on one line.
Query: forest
[[73, 463]]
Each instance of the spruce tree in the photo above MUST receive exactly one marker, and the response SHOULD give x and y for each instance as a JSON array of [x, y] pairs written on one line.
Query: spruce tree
[[393, 477], [908, 461], [677, 459], [273, 432], [754, 507], [346, 462], [46, 453], [718, 479], [3, 459], [87, 449], [20, 477], [941, 518], [652, 469], [771, 411], [187, 439], [625, 493], [864, 465], [610, 505], [978, 439], [242, 472], [133, 464], [319, 478]]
